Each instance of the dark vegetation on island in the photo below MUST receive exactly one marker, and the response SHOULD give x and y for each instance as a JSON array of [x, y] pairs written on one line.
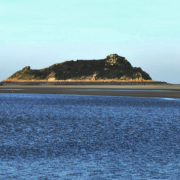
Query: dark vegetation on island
[[113, 68]]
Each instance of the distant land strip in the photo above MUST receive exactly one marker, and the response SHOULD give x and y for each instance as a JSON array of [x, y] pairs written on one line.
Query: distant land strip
[[82, 82]]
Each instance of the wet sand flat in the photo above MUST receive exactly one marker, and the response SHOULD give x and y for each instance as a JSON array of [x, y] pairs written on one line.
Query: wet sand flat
[[168, 91]]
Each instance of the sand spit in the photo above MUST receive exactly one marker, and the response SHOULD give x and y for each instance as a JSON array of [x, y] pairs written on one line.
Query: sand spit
[[98, 82]]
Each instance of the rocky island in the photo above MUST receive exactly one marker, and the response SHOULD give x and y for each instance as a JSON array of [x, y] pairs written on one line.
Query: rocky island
[[114, 69]]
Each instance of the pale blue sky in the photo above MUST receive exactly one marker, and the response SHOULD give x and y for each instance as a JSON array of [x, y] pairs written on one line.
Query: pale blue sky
[[40, 33]]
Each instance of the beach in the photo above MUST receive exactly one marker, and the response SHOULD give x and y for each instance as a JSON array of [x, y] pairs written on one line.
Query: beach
[[165, 90]]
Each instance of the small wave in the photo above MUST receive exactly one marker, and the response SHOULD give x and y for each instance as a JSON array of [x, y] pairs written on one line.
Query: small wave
[[172, 99]]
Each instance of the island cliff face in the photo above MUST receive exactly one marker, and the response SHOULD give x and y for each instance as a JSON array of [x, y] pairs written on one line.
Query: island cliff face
[[113, 67]]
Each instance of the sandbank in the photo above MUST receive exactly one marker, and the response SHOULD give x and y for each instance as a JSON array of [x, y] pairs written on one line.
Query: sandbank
[[165, 90]]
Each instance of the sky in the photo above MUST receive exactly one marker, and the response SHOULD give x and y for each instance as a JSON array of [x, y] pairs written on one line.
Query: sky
[[39, 33]]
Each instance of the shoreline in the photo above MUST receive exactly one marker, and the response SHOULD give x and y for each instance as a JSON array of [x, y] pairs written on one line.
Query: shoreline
[[65, 82], [163, 90]]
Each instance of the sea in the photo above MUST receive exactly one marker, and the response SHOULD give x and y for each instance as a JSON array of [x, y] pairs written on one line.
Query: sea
[[69, 137]]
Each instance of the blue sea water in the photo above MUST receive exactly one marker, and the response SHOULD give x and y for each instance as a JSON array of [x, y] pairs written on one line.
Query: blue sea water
[[45, 136]]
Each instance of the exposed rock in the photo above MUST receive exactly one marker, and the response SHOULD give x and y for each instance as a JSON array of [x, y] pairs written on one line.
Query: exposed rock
[[119, 60], [26, 68]]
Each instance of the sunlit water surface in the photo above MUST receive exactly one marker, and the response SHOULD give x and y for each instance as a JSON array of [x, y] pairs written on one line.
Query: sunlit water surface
[[89, 137]]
